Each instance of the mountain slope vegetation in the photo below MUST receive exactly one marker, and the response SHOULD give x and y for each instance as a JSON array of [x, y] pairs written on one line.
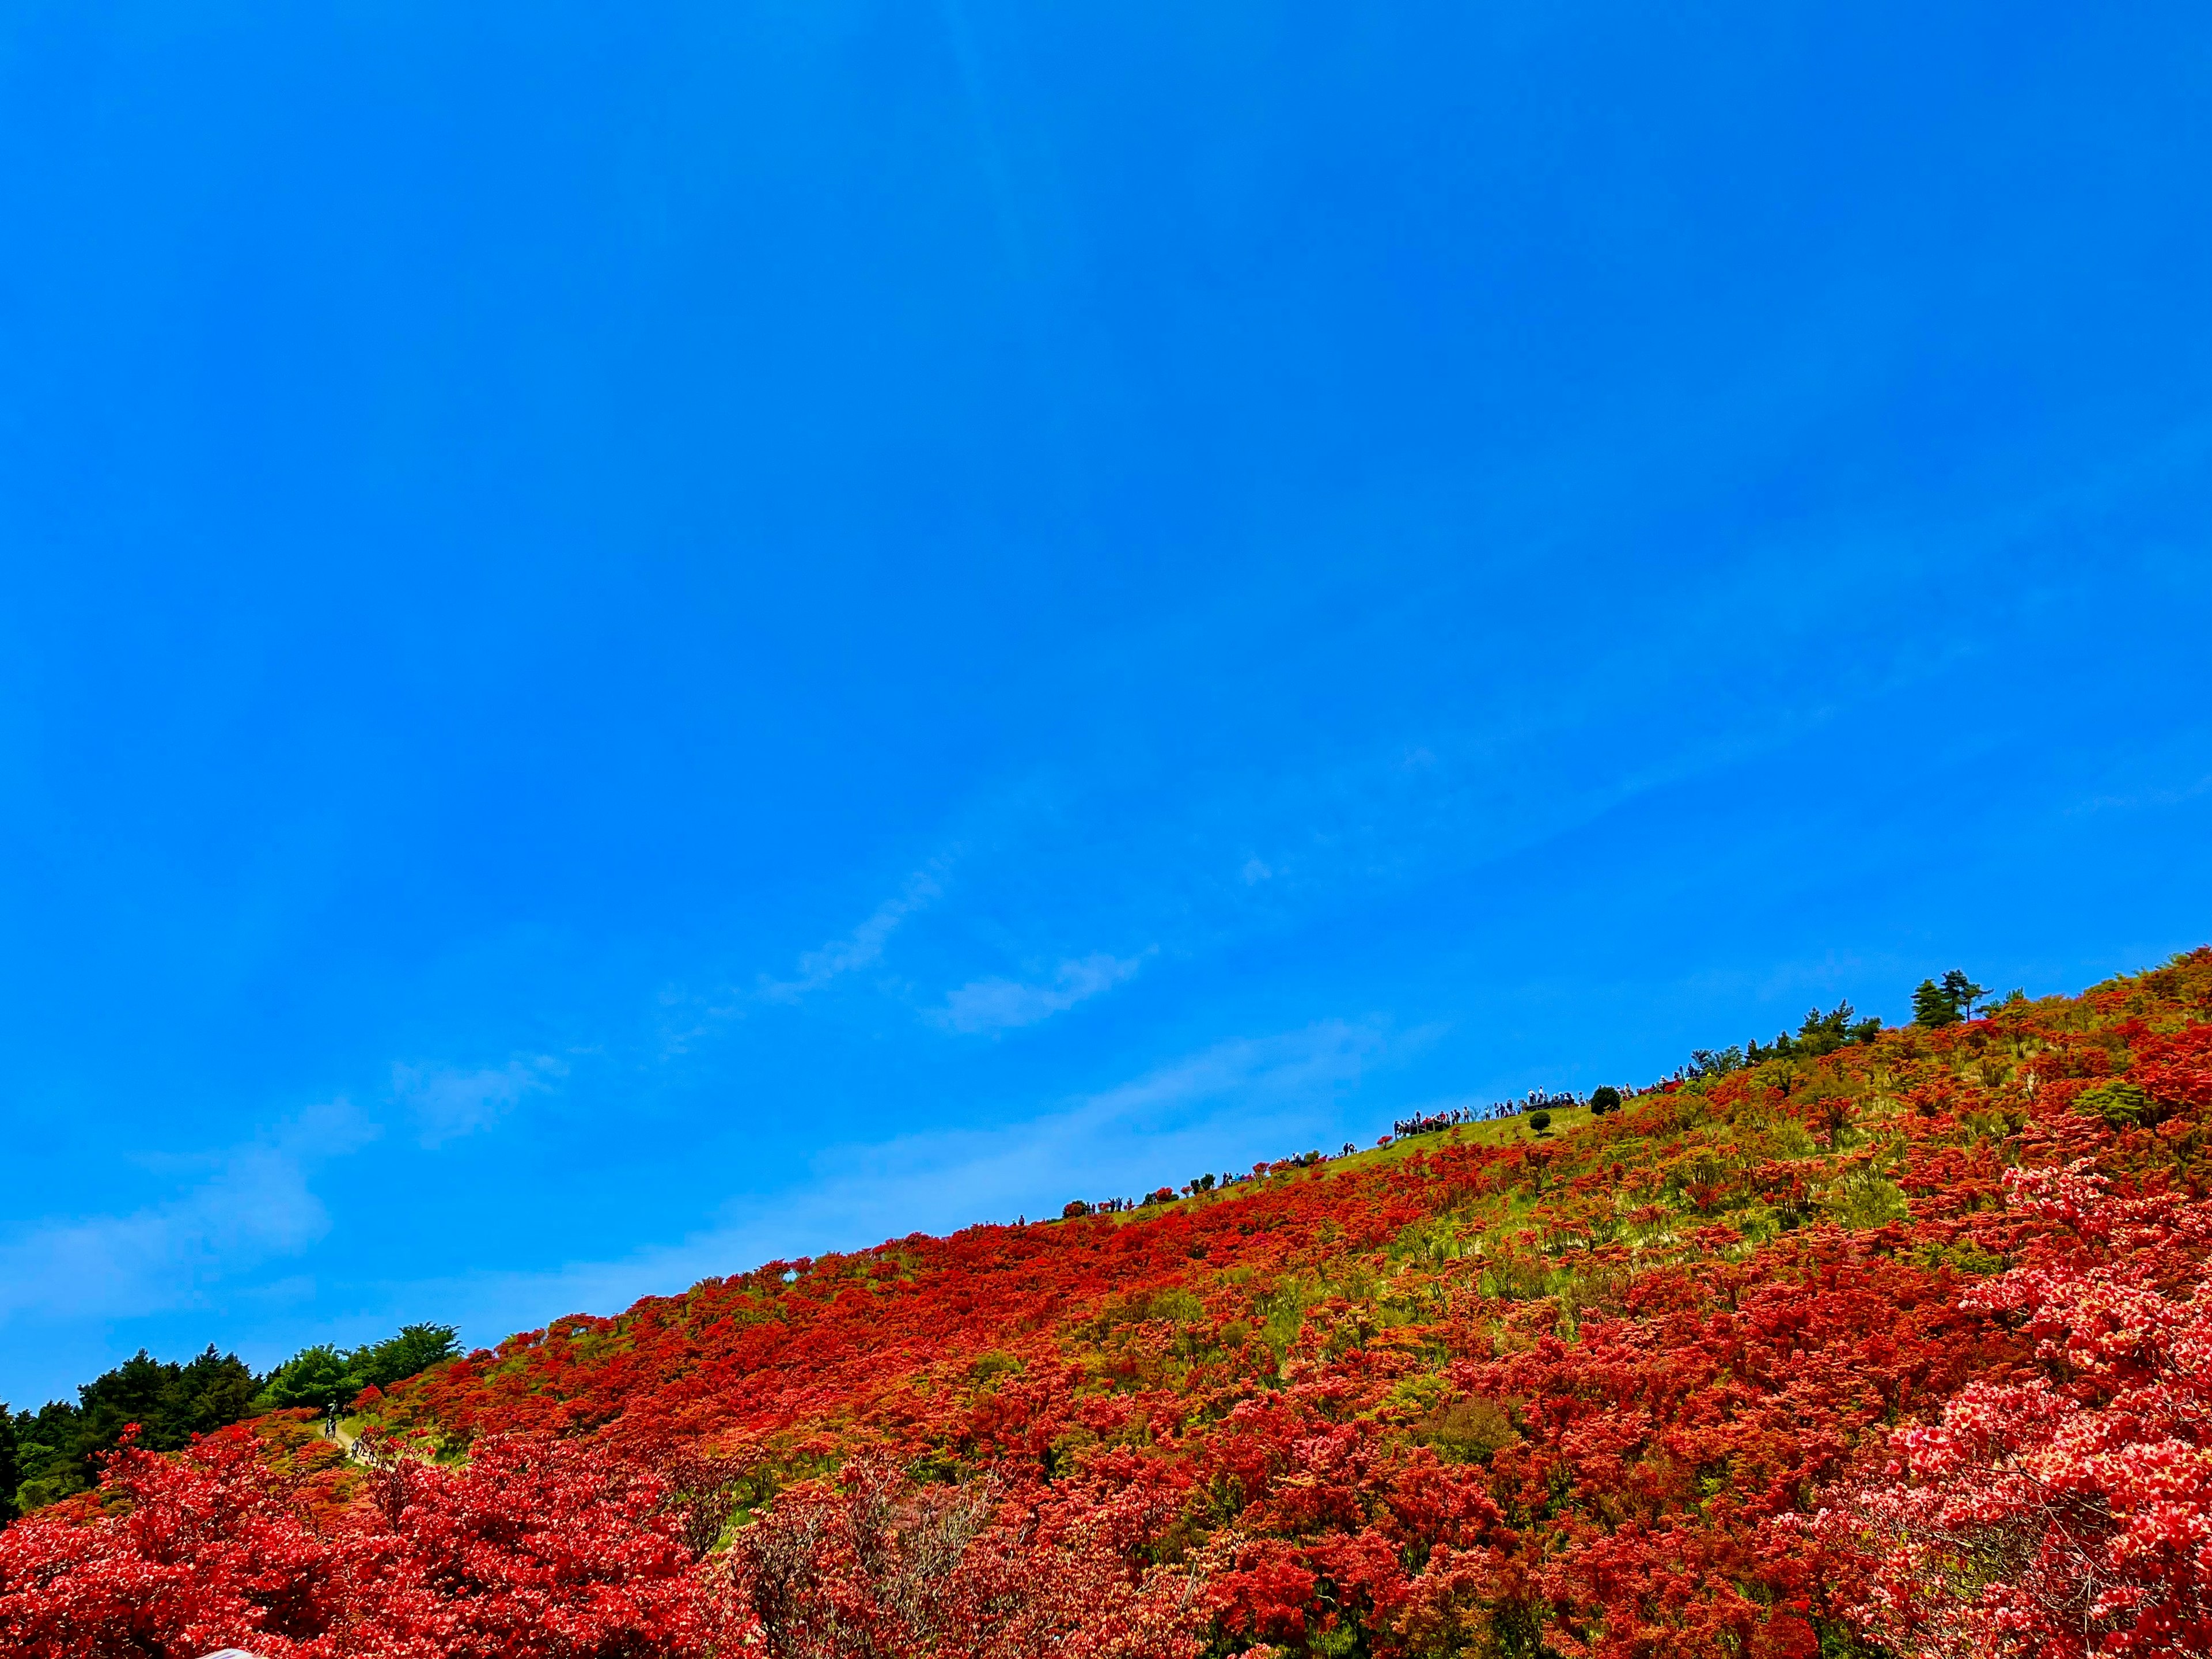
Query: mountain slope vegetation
[[1850, 1344]]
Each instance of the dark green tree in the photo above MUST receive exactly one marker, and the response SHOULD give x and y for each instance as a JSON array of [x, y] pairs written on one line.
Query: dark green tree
[[1603, 1099], [58, 1449], [1930, 1007], [1823, 1034], [412, 1351], [48, 1454], [1946, 1003], [1715, 1062], [11, 1468], [1820, 1034], [170, 1402], [1965, 995], [324, 1375], [209, 1393], [317, 1377]]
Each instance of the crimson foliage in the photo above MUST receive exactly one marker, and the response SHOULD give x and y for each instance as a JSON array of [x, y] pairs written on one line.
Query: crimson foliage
[[533, 1550]]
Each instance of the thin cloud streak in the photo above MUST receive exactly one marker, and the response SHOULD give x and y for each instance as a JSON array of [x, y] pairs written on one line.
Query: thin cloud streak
[[1218, 1108], [861, 948], [1000, 1005], [449, 1103]]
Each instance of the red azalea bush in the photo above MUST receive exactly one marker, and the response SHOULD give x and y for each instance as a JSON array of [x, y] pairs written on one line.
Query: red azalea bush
[[874, 1563], [532, 1551]]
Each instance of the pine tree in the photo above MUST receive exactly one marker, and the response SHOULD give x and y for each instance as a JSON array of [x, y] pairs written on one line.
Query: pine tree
[[1947, 1003], [1963, 991], [1931, 1007]]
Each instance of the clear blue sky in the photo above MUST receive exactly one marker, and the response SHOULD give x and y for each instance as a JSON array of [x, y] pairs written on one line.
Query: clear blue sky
[[637, 639]]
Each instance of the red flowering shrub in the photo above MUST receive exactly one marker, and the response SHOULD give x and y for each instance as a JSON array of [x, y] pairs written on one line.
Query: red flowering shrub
[[208, 1550], [873, 1564], [2071, 1512], [540, 1550]]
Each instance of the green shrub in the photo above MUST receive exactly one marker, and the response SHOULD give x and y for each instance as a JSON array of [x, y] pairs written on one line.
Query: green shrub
[[1468, 1431], [2121, 1105]]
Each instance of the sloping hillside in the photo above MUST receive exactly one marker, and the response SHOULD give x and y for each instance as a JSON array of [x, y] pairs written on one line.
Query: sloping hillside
[[1482, 1390]]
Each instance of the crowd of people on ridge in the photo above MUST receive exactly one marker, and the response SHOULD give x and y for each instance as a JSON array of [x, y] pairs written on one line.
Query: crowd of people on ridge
[[1536, 1101], [1204, 1183], [1603, 1099]]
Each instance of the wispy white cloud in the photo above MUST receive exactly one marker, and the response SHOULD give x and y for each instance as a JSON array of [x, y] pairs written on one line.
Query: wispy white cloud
[[1000, 1004], [254, 1204], [858, 949], [2171, 795], [1246, 1075], [1219, 1108], [448, 1101]]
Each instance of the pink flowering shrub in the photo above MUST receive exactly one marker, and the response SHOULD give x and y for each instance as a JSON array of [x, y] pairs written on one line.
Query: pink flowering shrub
[[2069, 1513]]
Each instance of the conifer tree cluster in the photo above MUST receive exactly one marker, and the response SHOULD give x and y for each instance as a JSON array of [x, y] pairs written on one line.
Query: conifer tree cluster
[[58, 1451], [1947, 1001]]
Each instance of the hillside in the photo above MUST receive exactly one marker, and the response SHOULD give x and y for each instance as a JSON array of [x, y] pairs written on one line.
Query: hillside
[[1637, 1385]]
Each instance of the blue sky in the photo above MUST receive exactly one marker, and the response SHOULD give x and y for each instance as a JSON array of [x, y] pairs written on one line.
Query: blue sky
[[641, 639]]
